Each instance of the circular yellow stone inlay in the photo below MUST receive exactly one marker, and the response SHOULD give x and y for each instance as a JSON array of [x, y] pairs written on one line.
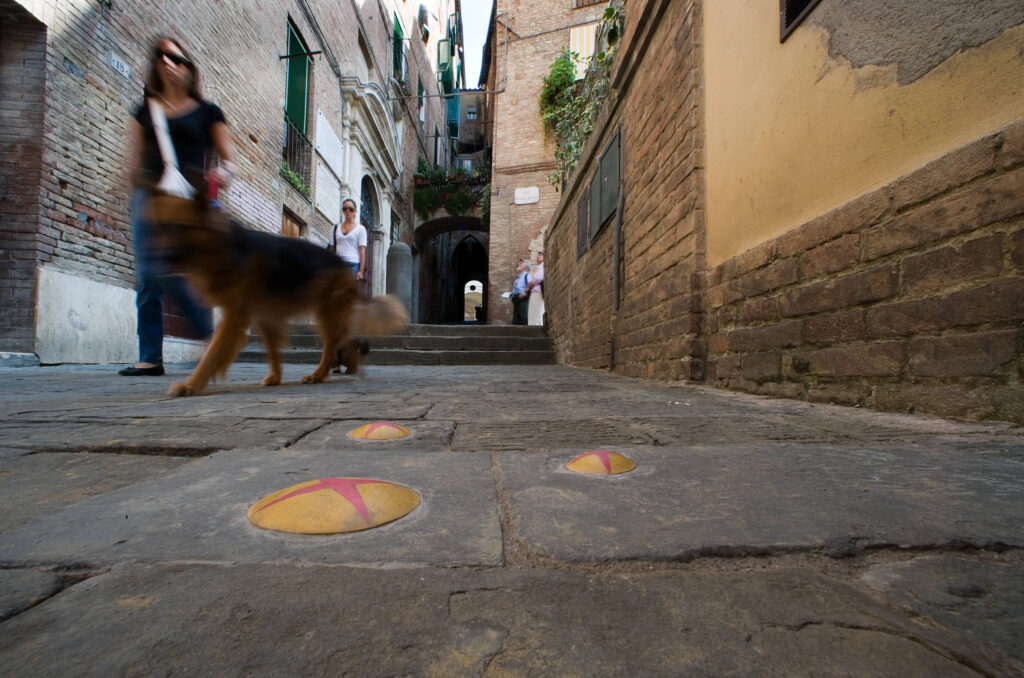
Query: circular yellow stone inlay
[[381, 430], [601, 462], [332, 505]]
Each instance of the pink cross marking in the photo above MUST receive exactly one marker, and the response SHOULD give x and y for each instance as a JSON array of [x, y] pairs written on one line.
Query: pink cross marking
[[380, 424], [600, 454], [346, 487]]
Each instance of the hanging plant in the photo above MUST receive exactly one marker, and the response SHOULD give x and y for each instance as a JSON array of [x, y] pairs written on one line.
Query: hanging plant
[[295, 180], [426, 201], [459, 202], [569, 107]]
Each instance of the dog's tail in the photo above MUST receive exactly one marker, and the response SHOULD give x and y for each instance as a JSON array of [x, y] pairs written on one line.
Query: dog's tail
[[381, 315]]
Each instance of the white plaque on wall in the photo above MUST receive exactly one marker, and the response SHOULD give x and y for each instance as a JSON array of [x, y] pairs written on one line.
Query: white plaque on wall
[[527, 196], [328, 145], [328, 193]]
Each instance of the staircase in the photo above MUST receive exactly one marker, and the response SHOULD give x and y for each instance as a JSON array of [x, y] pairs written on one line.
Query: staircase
[[467, 344]]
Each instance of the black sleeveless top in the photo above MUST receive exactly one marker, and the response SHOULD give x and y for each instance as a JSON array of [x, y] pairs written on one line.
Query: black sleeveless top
[[191, 136]]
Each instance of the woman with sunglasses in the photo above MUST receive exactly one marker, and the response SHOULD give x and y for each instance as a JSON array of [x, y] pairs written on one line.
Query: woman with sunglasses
[[348, 240], [196, 127]]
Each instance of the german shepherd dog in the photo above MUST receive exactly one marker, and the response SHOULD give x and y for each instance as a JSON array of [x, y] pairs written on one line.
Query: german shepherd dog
[[263, 280]]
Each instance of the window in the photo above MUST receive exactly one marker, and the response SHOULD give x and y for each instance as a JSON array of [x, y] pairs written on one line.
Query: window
[[581, 44], [421, 99], [791, 14], [587, 3], [604, 187], [453, 117], [437, 147], [297, 88], [292, 226], [470, 114], [297, 151], [398, 67]]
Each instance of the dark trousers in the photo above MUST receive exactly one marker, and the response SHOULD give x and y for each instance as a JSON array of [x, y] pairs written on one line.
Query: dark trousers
[[520, 309], [151, 283]]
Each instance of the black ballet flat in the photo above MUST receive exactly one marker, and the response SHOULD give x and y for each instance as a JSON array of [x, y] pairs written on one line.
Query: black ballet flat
[[155, 371]]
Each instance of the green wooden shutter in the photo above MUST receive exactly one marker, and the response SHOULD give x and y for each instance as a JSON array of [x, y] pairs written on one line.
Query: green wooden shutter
[[398, 48], [297, 92]]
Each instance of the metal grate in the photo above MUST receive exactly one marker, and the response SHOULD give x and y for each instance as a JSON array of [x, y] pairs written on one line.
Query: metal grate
[[297, 151], [791, 14]]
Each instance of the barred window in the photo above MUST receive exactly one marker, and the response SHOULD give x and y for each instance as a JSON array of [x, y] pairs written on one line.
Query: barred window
[[604, 187]]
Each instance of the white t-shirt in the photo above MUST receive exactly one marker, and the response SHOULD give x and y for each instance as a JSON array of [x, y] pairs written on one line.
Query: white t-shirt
[[348, 245]]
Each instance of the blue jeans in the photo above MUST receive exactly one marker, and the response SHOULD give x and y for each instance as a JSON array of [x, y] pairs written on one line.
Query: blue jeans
[[151, 283], [353, 265]]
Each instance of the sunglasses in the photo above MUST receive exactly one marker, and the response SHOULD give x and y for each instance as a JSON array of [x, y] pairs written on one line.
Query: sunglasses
[[179, 59], [348, 209]]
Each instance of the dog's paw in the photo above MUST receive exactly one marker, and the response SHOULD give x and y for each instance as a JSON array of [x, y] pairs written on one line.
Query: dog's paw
[[312, 379], [180, 389], [272, 380]]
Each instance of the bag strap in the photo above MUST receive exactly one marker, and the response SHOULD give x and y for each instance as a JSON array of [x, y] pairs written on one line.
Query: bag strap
[[163, 135]]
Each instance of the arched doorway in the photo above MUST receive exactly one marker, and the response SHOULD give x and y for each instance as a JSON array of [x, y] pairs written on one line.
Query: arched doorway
[[469, 263], [368, 218], [450, 252]]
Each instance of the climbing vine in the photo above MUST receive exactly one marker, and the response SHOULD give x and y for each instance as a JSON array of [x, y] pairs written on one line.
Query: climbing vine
[[569, 107]]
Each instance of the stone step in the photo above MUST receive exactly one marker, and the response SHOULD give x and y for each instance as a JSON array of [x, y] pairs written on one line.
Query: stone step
[[429, 345], [434, 343], [256, 354], [457, 330]]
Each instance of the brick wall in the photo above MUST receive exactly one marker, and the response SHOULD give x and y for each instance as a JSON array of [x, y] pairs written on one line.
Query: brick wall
[[22, 93], [523, 153], [908, 298], [72, 138], [657, 331]]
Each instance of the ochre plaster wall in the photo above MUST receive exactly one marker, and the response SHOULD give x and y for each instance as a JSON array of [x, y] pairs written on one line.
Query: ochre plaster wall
[[793, 132]]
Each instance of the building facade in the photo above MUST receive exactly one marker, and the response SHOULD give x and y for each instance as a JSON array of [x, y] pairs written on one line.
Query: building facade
[[527, 37], [324, 101], [827, 207]]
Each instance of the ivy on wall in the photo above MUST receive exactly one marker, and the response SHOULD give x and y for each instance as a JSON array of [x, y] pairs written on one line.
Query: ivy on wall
[[569, 107]]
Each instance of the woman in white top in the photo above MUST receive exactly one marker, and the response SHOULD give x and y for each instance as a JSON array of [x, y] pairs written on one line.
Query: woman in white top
[[536, 290], [349, 239]]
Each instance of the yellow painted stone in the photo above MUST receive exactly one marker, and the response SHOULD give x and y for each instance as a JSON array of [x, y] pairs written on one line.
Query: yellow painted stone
[[380, 430], [333, 505], [601, 462]]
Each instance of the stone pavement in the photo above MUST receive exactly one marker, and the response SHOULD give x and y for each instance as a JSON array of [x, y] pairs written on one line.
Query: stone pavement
[[757, 537]]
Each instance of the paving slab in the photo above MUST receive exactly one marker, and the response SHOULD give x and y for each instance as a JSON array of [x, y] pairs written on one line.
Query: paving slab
[[21, 589], [198, 513], [492, 435], [320, 621], [156, 435], [426, 436], [683, 503], [33, 485], [984, 600], [757, 537]]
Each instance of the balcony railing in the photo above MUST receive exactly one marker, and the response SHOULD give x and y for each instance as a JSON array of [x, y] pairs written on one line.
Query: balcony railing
[[297, 152]]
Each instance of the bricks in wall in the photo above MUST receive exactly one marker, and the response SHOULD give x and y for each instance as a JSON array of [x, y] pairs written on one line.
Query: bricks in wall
[[923, 316]]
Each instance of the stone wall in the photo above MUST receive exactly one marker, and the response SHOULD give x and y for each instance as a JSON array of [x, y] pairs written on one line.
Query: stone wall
[[657, 331], [22, 93], [72, 76], [909, 298], [529, 37]]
